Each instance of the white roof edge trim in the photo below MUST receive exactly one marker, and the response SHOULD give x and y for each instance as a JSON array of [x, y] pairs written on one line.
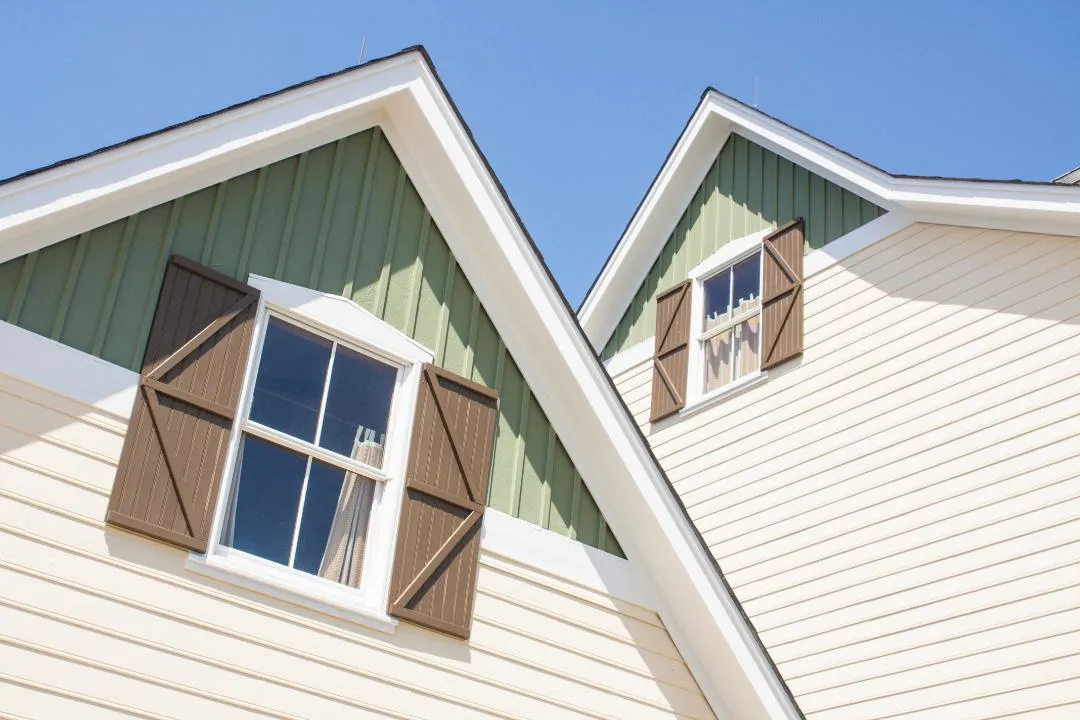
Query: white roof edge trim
[[406, 99], [48, 206], [1015, 206]]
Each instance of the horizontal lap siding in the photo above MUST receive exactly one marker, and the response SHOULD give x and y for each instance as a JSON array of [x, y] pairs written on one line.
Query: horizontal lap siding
[[96, 622], [342, 218], [898, 511], [747, 188]]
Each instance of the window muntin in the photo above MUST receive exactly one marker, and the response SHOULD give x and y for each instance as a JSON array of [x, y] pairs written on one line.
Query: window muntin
[[311, 452], [730, 339]]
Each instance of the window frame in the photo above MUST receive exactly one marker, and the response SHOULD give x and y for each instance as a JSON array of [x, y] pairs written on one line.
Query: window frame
[[723, 259], [344, 322]]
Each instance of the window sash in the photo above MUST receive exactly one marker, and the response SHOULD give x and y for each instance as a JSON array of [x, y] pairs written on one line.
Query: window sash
[[730, 322], [311, 450], [319, 453], [733, 319]]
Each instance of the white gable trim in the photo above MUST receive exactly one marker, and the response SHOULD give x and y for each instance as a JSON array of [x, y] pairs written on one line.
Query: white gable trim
[[1042, 208], [405, 98]]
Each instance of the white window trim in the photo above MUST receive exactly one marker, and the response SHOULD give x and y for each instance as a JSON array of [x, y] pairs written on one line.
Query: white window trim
[[726, 256], [343, 320]]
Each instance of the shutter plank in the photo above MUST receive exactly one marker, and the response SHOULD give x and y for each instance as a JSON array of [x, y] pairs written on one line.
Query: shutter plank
[[671, 357], [175, 448], [782, 295], [436, 558]]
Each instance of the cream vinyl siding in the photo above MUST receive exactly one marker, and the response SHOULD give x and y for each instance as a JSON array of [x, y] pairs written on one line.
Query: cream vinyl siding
[[899, 509], [98, 623]]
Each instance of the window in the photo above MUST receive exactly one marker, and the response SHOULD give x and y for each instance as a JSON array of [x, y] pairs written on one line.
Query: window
[[310, 455], [730, 338], [313, 489], [726, 319]]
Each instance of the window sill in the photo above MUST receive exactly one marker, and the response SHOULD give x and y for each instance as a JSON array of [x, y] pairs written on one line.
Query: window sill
[[716, 396], [248, 572]]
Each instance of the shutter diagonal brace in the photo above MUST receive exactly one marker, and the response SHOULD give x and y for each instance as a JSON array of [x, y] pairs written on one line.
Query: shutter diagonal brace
[[674, 317], [154, 406], [789, 295], [667, 381], [455, 442], [474, 507], [150, 384], [444, 551], [784, 321], [793, 278], [203, 335]]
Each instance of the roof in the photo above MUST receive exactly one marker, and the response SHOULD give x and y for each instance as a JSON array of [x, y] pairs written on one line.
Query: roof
[[403, 94], [1046, 207], [1070, 178]]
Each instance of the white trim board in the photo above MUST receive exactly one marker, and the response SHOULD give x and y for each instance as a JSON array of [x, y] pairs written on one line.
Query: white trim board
[[498, 258], [631, 357], [552, 554], [67, 372], [1041, 208]]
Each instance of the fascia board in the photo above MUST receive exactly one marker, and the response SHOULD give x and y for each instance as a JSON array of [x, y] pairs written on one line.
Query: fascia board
[[796, 146], [538, 329], [52, 205], [891, 191]]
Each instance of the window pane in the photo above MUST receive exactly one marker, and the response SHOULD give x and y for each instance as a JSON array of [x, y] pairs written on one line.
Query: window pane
[[717, 351], [334, 524], [265, 500], [358, 407], [717, 298], [747, 342], [746, 277], [289, 387]]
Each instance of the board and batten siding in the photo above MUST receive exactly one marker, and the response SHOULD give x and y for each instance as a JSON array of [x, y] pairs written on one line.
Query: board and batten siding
[[99, 623], [747, 188], [342, 218], [899, 510]]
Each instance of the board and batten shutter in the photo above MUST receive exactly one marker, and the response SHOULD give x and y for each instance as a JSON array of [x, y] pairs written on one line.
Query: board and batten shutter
[[176, 444], [438, 544], [671, 356], [782, 295]]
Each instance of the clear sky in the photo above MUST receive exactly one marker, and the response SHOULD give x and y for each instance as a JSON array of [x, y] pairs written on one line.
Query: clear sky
[[575, 103]]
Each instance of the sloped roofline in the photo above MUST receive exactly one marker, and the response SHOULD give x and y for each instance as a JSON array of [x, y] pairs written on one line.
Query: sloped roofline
[[404, 95], [1019, 205]]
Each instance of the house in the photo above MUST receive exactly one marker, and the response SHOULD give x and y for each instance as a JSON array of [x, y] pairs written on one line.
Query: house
[[864, 387], [294, 423]]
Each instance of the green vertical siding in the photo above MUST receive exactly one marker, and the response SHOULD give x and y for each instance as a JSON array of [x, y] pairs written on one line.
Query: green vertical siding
[[343, 218], [747, 188]]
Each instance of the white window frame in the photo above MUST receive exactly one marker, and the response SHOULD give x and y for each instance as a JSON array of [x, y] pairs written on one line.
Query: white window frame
[[726, 257], [343, 321]]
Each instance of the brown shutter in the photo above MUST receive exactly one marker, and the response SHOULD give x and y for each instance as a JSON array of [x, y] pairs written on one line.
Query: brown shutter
[[782, 295], [435, 562], [174, 451], [672, 353]]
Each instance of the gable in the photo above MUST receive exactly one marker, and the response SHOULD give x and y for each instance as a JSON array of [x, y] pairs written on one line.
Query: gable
[[342, 218], [747, 188]]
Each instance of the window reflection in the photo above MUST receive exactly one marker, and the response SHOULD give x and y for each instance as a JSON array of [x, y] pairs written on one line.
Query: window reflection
[[289, 385]]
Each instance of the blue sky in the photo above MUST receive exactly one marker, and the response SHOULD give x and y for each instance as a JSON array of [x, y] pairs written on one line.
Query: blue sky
[[575, 103]]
